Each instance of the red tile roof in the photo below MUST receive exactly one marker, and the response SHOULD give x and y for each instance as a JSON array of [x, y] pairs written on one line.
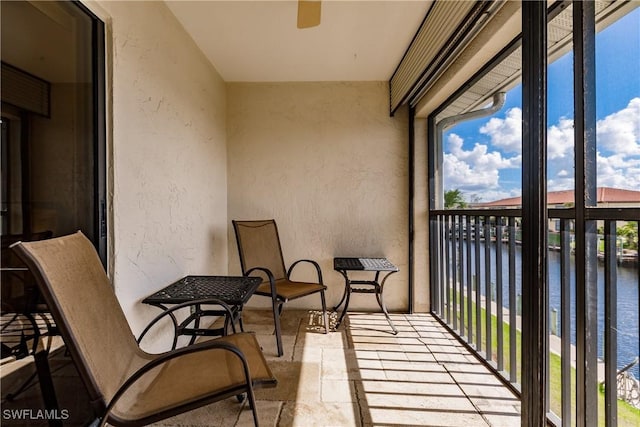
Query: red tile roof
[[604, 195]]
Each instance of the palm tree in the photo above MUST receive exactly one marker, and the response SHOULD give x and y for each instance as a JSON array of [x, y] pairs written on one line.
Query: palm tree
[[453, 199]]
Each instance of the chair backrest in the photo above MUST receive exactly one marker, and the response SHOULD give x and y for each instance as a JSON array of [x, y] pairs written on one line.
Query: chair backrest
[[259, 246], [94, 328]]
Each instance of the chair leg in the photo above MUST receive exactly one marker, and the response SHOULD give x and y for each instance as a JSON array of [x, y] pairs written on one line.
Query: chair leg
[[252, 404], [46, 385], [325, 318], [277, 309]]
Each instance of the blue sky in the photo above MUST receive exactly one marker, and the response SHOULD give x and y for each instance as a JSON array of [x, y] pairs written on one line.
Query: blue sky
[[483, 157]]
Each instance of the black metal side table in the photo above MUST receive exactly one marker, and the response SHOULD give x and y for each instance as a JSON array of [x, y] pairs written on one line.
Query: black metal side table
[[375, 286], [234, 291]]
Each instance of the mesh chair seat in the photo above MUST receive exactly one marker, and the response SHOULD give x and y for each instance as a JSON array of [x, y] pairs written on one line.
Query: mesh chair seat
[[288, 289], [192, 377]]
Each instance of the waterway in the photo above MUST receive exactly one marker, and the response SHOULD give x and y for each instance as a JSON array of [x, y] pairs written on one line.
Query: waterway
[[628, 311]]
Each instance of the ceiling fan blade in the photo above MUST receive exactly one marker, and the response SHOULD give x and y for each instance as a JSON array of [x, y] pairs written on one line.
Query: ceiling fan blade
[[308, 13]]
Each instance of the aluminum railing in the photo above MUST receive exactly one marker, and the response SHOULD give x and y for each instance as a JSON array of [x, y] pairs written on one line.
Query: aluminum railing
[[475, 258]]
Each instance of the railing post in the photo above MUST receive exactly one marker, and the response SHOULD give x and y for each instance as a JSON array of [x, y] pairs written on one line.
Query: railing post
[[610, 323], [585, 198], [535, 343], [513, 307]]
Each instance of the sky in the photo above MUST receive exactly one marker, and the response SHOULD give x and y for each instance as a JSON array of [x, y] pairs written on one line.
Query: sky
[[483, 157]]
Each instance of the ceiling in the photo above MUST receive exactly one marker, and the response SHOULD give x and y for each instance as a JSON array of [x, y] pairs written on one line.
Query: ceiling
[[258, 40]]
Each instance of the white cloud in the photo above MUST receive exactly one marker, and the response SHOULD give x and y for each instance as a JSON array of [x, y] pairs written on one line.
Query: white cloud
[[620, 132], [618, 141], [560, 139], [560, 183], [475, 170], [618, 171], [491, 195], [506, 133]]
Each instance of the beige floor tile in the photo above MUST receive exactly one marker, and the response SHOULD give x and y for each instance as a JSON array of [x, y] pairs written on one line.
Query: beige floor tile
[[476, 378], [352, 377], [371, 374], [428, 377], [392, 355], [499, 420], [270, 349], [307, 353], [424, 356], [220, 414], [388, 416], [339, 391], [331, 340], [457, 403], [412, 365], [497, 392], [296, 381], [403, 388], [304, 414], [268, 414], [369, 364], [367, 354], [340, 364]]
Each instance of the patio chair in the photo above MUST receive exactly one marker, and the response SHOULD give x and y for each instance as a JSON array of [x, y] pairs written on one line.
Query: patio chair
[[260, 253], [126, 385]]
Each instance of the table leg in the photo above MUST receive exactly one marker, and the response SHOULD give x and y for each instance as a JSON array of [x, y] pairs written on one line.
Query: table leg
[[344, 294], [380, 300], [345, 298]]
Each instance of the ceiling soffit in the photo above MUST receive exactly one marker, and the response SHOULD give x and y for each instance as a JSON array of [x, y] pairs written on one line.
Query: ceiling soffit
[[258, 41]]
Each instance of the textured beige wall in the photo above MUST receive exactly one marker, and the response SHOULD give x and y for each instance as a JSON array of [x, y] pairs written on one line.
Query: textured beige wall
[[168, 155], [421, 279], [329, 164]]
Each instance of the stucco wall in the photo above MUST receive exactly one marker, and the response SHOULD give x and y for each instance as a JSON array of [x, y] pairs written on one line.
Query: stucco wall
[[421, 291], [168, 155], [327, 162]]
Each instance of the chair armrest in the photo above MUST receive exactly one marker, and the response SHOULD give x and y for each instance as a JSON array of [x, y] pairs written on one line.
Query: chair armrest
[[272, 280], [315, 264], [170, 312], [170, 355]]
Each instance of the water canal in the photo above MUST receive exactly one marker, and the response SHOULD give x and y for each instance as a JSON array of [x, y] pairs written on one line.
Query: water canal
[[628, 311]]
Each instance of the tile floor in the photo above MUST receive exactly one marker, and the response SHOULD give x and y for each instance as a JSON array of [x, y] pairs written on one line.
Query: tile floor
[[361, 375]]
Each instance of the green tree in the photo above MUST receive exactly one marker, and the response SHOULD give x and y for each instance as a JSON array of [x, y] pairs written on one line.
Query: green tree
[[454, 199], [630, 232]]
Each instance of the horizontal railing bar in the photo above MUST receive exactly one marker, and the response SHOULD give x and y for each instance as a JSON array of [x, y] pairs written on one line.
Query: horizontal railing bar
[[479, 212], [622, 214]]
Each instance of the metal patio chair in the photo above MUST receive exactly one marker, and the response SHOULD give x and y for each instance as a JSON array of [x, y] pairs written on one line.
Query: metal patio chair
[[126, 385], [260, 253]]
